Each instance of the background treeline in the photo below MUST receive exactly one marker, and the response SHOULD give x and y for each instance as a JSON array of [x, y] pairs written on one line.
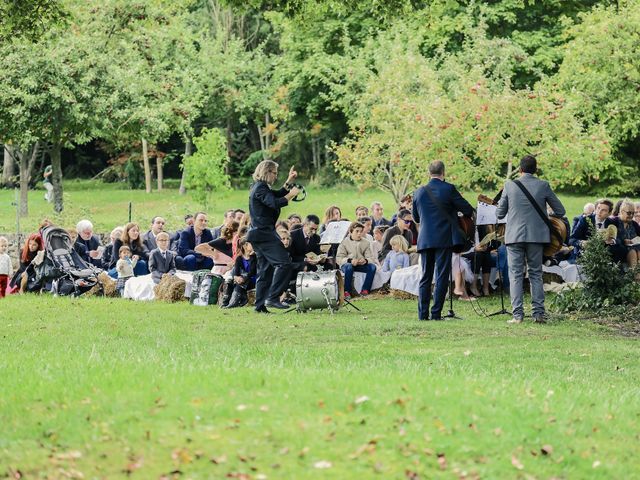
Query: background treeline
[[369, 91]]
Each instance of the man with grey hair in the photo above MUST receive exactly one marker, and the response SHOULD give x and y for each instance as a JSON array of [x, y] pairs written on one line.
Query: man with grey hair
[[435, 208], [90, 241], [527, 231], [377, 219]]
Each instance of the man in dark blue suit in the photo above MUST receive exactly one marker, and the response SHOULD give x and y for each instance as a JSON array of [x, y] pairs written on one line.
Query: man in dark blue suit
[[435, 208], [274, 263], [598, 220], [188, 259]]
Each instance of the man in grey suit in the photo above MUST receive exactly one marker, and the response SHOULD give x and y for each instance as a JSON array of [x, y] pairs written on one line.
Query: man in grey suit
[[149, 238], [526, 235], [162, 260]]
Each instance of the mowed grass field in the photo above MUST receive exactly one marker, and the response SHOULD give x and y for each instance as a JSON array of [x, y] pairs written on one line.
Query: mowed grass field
[[103, 388], [107, 205]]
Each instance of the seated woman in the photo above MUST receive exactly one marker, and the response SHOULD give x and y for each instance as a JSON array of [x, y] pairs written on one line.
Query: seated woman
[[243, 277], [354, 255], [31, 248], [331, 214], [628, 230], [107, 254], [220, 250], [131, 238]]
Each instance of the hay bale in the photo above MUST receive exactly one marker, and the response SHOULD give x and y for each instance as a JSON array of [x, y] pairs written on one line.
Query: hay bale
[[251, 295], [170, 289], [106, 286], [402, 295]]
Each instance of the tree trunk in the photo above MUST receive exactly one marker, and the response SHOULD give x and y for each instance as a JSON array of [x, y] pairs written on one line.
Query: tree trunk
[[24, 183], [509, 169], [56, 177], [147, 167], [188, 148], [160, 173], [8, 167]]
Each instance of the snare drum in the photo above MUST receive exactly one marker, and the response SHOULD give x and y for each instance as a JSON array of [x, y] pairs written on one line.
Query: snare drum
[[320, 290]]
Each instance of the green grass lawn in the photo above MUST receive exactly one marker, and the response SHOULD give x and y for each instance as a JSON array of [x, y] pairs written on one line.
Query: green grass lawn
[[107, 205], [110, 388]]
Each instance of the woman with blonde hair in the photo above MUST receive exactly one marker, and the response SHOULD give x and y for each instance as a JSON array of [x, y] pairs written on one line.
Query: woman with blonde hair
[[274, 263]]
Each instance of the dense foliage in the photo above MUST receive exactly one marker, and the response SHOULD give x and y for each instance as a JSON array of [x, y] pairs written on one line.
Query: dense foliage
[[371, 89]]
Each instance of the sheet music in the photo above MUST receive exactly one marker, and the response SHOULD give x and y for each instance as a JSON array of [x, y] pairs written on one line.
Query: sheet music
[[486, 214], [335, 232]]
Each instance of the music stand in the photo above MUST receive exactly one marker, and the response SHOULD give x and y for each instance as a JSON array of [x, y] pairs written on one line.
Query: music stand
[[502, 311]]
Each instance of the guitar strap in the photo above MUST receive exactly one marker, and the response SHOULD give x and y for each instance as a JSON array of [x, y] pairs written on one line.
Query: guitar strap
[[543, 216]]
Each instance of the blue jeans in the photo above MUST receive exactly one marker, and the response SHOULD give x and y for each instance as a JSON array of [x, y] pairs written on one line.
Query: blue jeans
[[348, 269], [191, 263]]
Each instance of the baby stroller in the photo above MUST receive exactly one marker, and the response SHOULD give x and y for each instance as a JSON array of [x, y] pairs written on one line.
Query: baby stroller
[[62, 270]]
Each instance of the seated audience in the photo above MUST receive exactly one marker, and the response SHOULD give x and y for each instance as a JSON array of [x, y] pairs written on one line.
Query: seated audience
[[161, 259], [124, 267], [6, 267], [362, 211], [243, 277], [377, 217], [588, 209], [376, 244], [406, 203], [229, 216], [600, 220], [303, 241], [354, 255], [149, 238], [331, 214], [188, 259], [402, 227], [90, 241], [78, 247], [398, 257], [294, 220], [238, 215], [220, 250], [32, 246], [107, 254], [636, 216], [131, 238], [629, 234]]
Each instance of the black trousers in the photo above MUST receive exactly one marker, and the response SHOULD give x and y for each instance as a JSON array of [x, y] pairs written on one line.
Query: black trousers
[[274, 271], [438, 259]]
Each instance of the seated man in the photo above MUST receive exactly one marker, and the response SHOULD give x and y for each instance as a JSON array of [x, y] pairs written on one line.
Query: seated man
[[376, 215], [161, 259], [354, 255], [188, 259], [90, 242], [149, 238], [305, 240], [175, 236], [600, 219], [402, 227], [229, 218]]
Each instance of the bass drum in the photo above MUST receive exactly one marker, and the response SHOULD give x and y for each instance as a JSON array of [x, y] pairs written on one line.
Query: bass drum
[[319, 290]]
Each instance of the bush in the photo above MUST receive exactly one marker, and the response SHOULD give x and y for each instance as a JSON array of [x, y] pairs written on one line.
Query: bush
[[605, 283]]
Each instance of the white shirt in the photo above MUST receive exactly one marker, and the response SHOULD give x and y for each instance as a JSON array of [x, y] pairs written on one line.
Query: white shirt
[[6, 267]]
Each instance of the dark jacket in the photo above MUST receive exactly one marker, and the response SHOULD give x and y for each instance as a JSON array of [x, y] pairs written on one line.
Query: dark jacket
[[582, 230], [188, 241], [106, 261], [142, 252], [264, 207], [92, 244], [248, 275], [149, 241], [298, 248], [158, 265], [436, 230]]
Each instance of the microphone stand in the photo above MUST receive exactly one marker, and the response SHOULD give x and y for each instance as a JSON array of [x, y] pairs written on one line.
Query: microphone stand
[[502, 311]]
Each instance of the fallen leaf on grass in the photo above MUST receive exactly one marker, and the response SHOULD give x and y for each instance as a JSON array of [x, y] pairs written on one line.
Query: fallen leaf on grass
[[181, 455], [442, 461], [467, 353], [219, 460], [241, 407], [303, 452], [360, 400], [516, 463], [596, 464], [411, 475], [264, 408], [322, 464], [546, 450]]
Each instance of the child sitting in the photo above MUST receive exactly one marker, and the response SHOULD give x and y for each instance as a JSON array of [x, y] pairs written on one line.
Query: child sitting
[[6, 268], [124, 267], [398, 257], [243, 277], [161, 259], [354, 255]]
